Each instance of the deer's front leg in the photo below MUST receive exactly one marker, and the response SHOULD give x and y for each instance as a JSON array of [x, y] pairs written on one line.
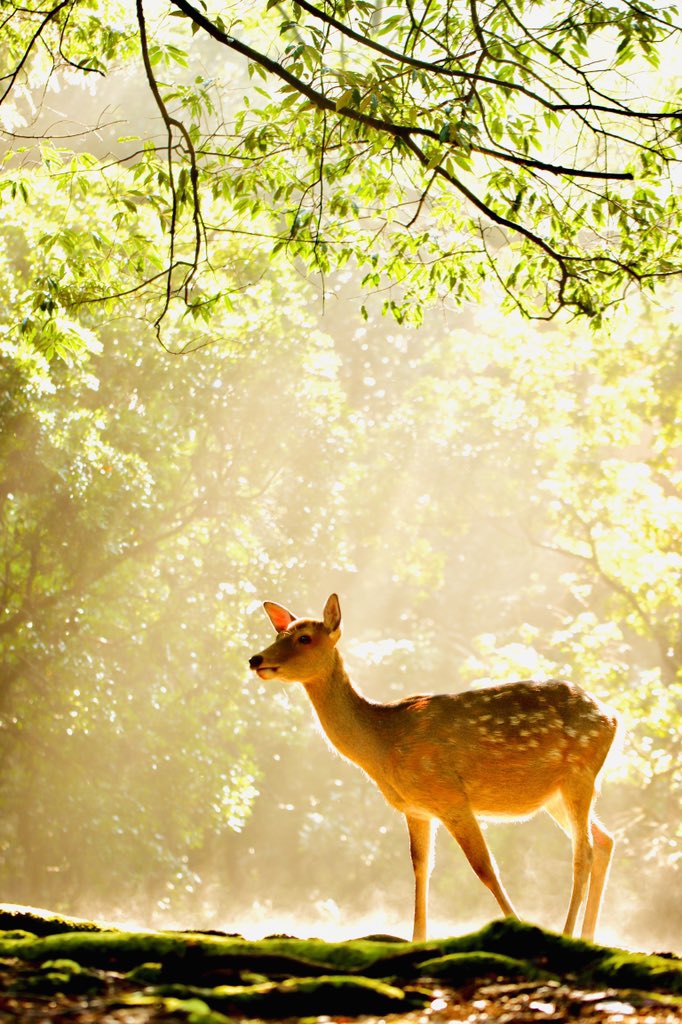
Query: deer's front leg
[[466, 830], [421, 845]]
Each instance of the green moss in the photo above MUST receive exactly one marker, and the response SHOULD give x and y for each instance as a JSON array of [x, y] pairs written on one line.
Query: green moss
[[456, 968], [561, 956], [285, 977], [196, 1011], [59, 977], [93, 949], [146, 974], [16, 935], [303, 997], [636, 970], [511, 937], [43, 922], [251, 978], [125, 950], [346, 957], [547, 951]]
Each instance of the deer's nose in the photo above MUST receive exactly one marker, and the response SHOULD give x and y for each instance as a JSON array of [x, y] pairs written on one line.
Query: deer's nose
[[256, 661]]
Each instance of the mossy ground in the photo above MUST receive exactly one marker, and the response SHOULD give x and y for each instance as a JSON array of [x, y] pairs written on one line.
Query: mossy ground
[[192, 976]]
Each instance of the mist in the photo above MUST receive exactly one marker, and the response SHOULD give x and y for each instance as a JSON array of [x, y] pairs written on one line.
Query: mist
[[150, 779], [492, 500]]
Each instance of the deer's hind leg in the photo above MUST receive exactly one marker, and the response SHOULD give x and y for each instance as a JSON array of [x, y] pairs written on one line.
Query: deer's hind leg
[[571, 808], [602, 850]]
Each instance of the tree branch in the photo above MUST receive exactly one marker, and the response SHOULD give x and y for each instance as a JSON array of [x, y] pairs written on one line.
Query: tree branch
[[171, 123], [12, 77], [398, 131], [320, 100]]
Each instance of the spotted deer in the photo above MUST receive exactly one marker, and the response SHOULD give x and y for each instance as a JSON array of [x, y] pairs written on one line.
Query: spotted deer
[[504, 751]]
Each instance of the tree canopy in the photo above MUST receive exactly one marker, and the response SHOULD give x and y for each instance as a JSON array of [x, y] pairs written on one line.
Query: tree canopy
[[432, 145]]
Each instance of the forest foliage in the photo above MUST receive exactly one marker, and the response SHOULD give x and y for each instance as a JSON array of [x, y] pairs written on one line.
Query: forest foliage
[[491, 500], [428, 147]]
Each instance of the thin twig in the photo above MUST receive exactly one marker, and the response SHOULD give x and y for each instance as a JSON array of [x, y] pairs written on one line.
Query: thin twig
[[173, 123]]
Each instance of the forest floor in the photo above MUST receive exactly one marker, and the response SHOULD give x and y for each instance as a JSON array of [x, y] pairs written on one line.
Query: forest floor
[[69, 971]]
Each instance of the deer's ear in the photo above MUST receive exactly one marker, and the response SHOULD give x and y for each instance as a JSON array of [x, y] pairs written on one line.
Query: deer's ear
[[332, 614], [279, 616]]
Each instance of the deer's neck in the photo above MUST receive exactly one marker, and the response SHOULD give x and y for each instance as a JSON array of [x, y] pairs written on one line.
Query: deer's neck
[[350, 721]]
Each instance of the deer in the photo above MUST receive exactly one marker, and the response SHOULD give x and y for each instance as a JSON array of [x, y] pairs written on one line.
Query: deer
[[500, 751]]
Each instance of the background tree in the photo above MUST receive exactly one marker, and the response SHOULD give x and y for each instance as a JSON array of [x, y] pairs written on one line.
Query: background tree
[[490, 502], [131, 522]]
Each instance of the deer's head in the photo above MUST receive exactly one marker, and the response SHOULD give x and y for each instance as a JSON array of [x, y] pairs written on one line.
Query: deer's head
[[304, 649]]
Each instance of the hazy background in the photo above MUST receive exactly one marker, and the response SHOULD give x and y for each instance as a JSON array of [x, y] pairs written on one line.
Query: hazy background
[[491, 499]]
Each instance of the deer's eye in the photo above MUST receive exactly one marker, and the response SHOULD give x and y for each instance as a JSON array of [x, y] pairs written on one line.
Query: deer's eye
[[304, 638]]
